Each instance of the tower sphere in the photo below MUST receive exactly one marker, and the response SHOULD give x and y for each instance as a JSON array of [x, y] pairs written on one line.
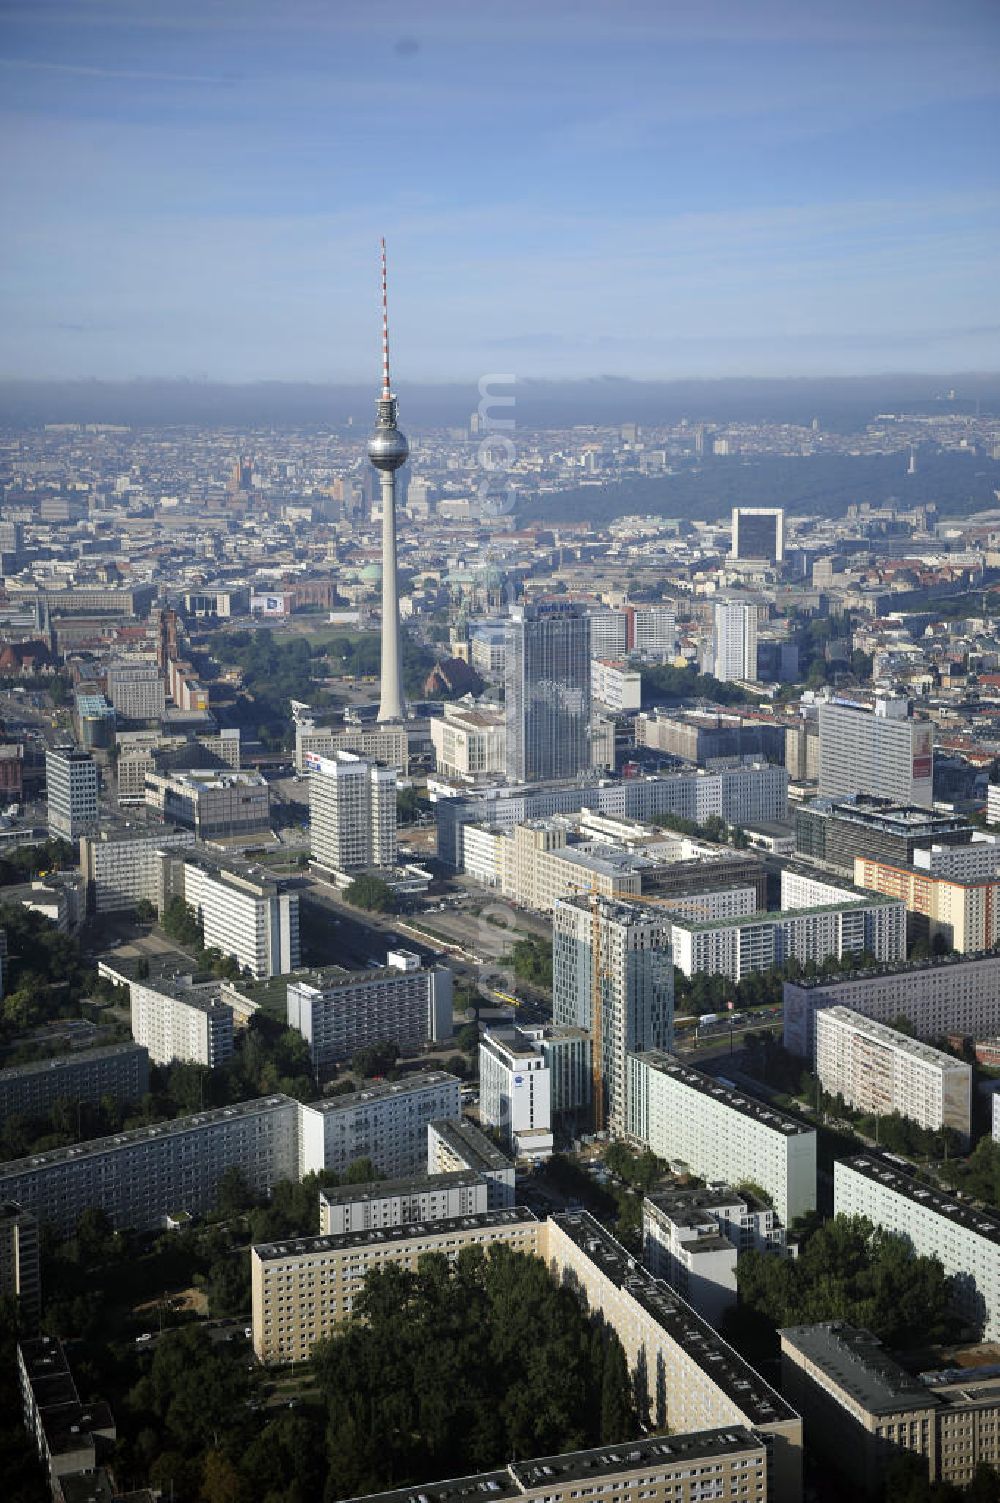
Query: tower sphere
[[387, 448]]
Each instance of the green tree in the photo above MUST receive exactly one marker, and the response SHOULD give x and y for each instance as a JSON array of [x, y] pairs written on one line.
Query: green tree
[[370, 893], [375, 1059], [617, 1414], [233, 1194]]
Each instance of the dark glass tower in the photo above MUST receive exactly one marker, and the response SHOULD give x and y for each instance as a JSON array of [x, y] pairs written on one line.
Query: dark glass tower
[[548, 692]]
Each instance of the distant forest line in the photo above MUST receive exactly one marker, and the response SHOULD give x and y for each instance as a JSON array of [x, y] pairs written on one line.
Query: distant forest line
[[822, 485]]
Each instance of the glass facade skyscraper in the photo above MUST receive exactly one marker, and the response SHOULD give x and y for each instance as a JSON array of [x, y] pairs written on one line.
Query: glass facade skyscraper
[[548, 692]]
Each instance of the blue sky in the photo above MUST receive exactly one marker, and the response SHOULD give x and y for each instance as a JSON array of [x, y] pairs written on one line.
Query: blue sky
[[683, 188]]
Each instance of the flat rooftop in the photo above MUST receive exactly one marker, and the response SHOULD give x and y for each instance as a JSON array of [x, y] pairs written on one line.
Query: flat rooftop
[[383, 1091], [303, 1247], [989, 958], [884, 1172], [701, 1342], [477, 1150], [725, 1095], [891, 1038], [79, 1060], [779, 916], [417, 1184], [693, 1207], [857, 1363]]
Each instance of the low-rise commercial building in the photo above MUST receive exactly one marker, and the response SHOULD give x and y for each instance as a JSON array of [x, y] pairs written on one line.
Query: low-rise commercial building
[[938, 998], [862, 1408], [178, 1020], [963, 912], [117, 1070], [229, 806], [936, 1224], [388, 744], [684, 1115], [401, 1202], [702, 736], [469, 744], [454, 1143], [338, 1012], [693, 1238], [877, 1069]]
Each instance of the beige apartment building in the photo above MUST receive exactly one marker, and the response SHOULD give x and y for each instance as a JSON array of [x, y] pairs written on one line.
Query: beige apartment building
[[878, 1069], [964, 912]]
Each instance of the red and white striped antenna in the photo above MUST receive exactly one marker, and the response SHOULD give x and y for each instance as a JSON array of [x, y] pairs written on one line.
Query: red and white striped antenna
[[386, 391]]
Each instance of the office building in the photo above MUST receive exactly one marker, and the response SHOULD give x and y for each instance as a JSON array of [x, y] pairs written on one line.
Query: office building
[[178, 1020], [117, 1070], [547, 700], [338, 1012], [743, 795], [734, 641], [939, 997], [759, 533], [303, 1288], [612, 974], [882, 752], [863, 1408], [141, 1176], [216, 805], [249, 915], [515, 1093], [615, 685], [961, 913], [352, 813], [536, 867], [935, 1224], [692, 1239], [71, 783], [879, 1070], [736, 946], [136, 690], [123, 867], [454, 1143], [728, 1466], [720, 1134], [401, 1202], [837, 831], [703, 736], [388, 744], [20, 1255], [386, 1122], [70, 1437], [469, 744]]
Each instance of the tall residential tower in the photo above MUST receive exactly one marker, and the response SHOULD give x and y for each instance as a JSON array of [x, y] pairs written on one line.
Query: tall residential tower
[[387, 450]]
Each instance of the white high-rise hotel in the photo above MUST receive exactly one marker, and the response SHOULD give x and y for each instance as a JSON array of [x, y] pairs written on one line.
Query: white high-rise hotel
[[352, 812]]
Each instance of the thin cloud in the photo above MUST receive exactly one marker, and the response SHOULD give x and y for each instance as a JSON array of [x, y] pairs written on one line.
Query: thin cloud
[[82, 70]]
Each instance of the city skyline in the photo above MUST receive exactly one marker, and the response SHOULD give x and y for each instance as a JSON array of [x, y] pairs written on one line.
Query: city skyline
[[688, 193]]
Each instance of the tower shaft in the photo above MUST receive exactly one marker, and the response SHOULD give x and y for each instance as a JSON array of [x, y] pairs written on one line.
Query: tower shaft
[[391, 698]]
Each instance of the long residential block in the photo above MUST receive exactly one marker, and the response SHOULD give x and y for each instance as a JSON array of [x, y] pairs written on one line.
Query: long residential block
[[250, 915], [123, 867], [878, 1069], [721, 1134], [964, 912], [118, 1070], [735, 947], [937, 997], [338, 1012], [935, 1223], [386, 1123], [400, 1202], [175, 1020], [457, 1144]]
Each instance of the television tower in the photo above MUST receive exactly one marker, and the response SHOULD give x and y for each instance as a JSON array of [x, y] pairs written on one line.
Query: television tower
[[387, 450]]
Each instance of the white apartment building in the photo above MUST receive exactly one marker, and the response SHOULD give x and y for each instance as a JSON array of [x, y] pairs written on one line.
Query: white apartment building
[[178, 1021], [618, 954], [137, 690], [654, 632], [302, 1289], [140, 1177], [71, 784], [879, 1070], [996, 1116], [936, 1224], [401, 1202], [720, 1134], [248, 916], [515, 1093], [615, 685], [882, 752], [352, 813], [379, 743], [692, 1238], [734, 947], [122, 867], [703, 907], [338, 1011], [469, 744], [734, 641], [455, 1144], [484, 853], [804, 889], [609, 634], [386, 1122], [19, 1262], [993, 804], [937, 997], [979, 861]]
